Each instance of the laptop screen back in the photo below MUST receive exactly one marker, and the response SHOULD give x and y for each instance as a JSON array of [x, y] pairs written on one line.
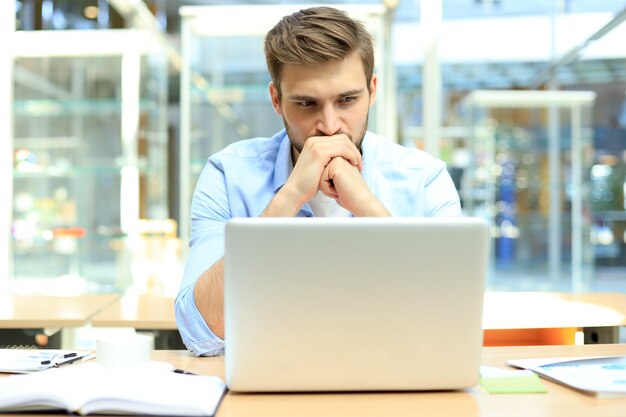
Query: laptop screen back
[[330, 304]]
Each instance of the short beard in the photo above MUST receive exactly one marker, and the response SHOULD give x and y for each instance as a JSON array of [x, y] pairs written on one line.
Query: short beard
[[357, 143]]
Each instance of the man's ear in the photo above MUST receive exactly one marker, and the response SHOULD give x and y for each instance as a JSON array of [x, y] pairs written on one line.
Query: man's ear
[[275, 98], [373, 86]]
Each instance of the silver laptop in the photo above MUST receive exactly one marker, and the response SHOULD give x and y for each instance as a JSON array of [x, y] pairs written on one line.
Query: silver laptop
[[346, 304]]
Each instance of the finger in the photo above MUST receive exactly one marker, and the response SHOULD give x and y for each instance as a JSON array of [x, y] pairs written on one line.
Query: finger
[[330, 192], [348, 150], [327, 185], [353, 154], [336, 145]]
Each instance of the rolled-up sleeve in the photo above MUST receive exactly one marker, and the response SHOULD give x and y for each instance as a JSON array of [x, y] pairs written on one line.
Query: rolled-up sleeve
[[209, 214]]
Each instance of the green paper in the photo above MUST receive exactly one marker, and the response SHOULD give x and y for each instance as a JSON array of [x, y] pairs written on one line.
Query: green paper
[[522, 384]]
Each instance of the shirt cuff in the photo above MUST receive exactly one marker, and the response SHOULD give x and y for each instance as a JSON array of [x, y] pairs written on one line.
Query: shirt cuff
[[194, 331]]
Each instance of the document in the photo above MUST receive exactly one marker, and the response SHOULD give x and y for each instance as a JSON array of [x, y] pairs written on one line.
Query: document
[[30, 360], [600, 376], [91, 389]]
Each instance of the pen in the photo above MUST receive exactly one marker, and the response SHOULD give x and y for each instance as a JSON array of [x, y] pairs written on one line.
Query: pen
[[183, 372], [71, 359], [67, 355]]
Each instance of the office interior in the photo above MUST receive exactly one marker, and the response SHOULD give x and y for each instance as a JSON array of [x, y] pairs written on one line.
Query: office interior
[[113, 106]]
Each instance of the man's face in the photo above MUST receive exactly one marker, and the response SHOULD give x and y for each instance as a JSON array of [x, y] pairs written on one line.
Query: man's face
[[324, 100]]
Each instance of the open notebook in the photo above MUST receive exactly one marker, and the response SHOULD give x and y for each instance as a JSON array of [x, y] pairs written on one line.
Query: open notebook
[[90, 389]]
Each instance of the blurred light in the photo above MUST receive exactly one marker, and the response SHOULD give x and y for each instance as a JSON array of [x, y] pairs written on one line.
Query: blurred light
[[601, 171], [24, 230], [47, 9], [91, 12], [61, 194], [47, 235], [602, 235], [509, 230], [579, 338], [391, 4], [519, 132], [528, 159]]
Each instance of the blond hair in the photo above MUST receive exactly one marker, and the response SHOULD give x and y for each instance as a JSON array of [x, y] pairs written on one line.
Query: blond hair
[[317, 35]]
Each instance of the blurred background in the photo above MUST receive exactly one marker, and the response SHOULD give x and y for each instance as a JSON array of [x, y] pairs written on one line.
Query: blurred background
[[111, 108]]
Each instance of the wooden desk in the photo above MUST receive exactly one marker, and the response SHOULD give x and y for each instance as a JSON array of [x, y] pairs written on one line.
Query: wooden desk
[[40, 311], [559, 401], [138, 311], [152, 314], [510, 318], [537, 318], [35, 320], [475, 402]]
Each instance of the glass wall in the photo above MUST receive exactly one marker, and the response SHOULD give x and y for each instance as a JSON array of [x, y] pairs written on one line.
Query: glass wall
[[573, 48], [83, 168], [528, 173], [89, 153]]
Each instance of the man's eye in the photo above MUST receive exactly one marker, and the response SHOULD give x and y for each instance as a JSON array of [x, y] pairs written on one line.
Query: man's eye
[[348, 99], [306, 103]]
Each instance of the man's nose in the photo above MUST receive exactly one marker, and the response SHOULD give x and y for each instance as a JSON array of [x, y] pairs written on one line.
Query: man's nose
[[329, 122]]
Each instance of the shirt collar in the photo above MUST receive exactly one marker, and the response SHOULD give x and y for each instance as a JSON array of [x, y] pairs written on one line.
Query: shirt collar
[[284, 164]]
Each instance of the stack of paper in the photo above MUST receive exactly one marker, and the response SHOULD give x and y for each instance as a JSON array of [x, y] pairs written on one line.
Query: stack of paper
[[27, 360], [603, 376]]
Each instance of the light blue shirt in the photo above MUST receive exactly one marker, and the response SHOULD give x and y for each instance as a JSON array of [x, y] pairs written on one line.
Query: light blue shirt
[[240, 181]]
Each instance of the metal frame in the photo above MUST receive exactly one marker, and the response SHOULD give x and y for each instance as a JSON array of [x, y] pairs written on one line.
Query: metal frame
[[7, 32]]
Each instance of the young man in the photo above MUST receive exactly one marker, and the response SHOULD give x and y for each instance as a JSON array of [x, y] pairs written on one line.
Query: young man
[[324, 163]]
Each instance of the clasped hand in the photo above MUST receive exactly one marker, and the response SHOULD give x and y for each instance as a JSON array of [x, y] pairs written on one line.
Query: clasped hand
[[332, 165]]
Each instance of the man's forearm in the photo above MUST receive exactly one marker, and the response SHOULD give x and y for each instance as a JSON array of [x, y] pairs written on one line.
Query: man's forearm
[[370, 207], [208, 294], [286, 203], [208, 291]]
